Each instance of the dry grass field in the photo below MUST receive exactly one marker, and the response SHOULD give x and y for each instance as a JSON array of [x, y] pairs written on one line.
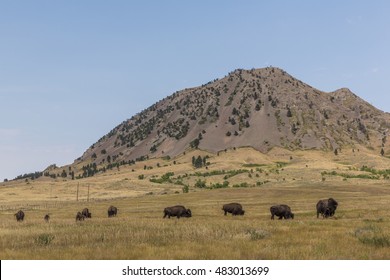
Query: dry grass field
[[360, 228]]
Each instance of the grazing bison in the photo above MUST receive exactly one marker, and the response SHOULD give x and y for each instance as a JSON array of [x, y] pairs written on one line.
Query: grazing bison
[[326, 207], [112, 211], [46, 218], [178, 211], [86, 213], [80, 217], [19, 216], [282, 211], [328, 212], [234, 208]]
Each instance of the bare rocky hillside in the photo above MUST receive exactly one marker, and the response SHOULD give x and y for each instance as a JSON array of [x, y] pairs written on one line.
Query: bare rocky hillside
[[260, 108]]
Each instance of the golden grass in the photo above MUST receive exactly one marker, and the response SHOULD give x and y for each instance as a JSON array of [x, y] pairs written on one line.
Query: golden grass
[[359, 230]]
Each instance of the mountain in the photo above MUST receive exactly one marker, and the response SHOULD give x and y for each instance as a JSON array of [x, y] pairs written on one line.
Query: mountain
[[260, 108]]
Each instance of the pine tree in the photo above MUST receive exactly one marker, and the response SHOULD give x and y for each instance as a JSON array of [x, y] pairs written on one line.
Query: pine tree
[[198, 162], [289, 114]]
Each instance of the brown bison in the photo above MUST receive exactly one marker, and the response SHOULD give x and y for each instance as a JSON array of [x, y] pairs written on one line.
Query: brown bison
[[46, 218], [86, 213], [326, 207], [234, 208], [178, 211], [79, 217], [282, 211], [112, 211], [19, 216]]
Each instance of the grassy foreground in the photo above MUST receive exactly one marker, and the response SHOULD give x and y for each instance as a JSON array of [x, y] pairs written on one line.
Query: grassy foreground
[[360, 229]]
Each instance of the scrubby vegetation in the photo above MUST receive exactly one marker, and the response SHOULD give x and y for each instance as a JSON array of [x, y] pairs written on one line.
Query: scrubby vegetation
[[359, 229], [140, 232]]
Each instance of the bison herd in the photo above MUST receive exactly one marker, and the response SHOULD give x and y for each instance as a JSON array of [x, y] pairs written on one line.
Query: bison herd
[[325, 207]]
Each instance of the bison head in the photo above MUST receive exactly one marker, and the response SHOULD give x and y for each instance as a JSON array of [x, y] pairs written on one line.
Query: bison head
[[332, 203], [187, 213], [238, 211], [328, 212], [332, 206]]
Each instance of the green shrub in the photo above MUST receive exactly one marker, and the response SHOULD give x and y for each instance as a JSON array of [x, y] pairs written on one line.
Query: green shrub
[[186, 189], [219, 185], [44, 239], [257, 234], [372, 235], [200, 184], [242, 185]]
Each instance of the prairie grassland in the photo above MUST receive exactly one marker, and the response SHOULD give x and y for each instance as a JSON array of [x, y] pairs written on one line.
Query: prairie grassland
[[359, 230]]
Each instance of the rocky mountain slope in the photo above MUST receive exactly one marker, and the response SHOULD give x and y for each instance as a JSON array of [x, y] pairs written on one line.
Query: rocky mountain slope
[[260, 108]]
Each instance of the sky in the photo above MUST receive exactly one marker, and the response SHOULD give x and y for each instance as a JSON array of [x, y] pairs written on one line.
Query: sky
[[70, 70]]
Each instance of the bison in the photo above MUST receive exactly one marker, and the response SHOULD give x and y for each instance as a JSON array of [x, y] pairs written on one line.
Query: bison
[[86, 213], [178, 211], [326, 207], [46, 218], [19, 216], [328, 212], [234, 208], [112, 211], [79, 217], [282, 211]]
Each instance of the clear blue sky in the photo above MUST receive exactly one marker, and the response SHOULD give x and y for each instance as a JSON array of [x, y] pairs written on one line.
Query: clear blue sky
[[70, 71]]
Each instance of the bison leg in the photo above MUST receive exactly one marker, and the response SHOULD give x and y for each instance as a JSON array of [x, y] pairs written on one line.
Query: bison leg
[[280, 217], [272, 217], [327, 214]]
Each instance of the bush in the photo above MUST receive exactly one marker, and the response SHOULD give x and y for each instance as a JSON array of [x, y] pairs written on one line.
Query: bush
[[373, 236], [242, 185], [219, 185], [200, 184], [186, 189], [257, 234], [44, 239]]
